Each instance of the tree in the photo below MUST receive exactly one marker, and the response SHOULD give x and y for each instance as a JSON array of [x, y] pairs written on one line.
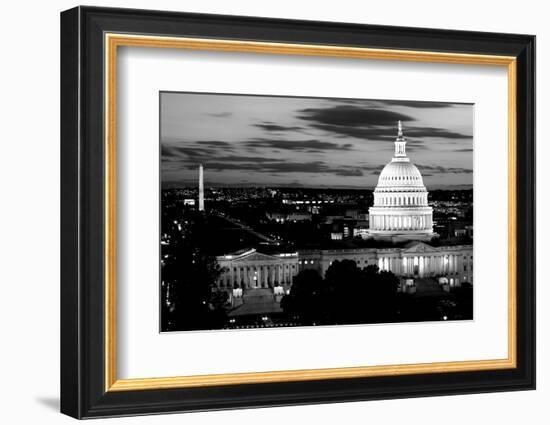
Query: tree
[[189, 275], [346, 292], [306, 300], [346, 295], [361, 295], [464, 297]]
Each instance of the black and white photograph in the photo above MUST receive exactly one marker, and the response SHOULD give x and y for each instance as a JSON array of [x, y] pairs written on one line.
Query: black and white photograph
[[299, 211]]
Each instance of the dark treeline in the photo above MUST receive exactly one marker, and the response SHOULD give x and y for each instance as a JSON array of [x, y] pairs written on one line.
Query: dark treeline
[[351, 295], [346, 295], [189, 273]]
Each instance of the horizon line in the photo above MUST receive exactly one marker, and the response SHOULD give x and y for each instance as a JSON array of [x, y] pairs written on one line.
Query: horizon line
[[246, 185]]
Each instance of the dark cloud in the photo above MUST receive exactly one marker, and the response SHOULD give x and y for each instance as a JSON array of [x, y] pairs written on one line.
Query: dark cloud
[[376, 103], [191, 151], [197, 149], [234, 158], [270, 126], [272, 167], [375, 170], [434, 132], [373, 123], [458, 170], [206, 149], [174, 154], [372, 167], [167, 152], [298, 145], [418, 104], [216, 143], [464, 150], [354, 121], [352, 116], [383, 134], [438, 169], [277, 166], [194, 155], [416, 144], [387, 133], [349, 172]]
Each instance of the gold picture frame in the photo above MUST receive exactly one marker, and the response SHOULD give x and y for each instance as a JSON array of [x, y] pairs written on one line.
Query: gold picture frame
[[114, 41]]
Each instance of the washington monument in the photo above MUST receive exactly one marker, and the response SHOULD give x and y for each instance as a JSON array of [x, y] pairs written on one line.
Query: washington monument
[[201, 189]]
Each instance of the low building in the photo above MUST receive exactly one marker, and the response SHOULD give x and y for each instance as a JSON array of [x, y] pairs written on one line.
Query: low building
[[256, 282], [416, 259], [361, 232], [251, 269], [294, 216]]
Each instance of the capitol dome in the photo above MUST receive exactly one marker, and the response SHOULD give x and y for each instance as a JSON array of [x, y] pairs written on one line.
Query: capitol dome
[[400, 173], [400, 207]]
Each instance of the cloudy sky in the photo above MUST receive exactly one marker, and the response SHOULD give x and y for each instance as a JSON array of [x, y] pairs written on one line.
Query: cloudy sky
[[244, 140]]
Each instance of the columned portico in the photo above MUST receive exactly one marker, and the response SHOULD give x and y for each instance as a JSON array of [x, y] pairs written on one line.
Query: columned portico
[[251, 269], [416, 260]]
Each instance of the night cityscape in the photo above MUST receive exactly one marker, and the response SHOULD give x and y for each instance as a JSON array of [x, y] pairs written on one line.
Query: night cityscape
[[295, 230], [280, 220], [299, 218]]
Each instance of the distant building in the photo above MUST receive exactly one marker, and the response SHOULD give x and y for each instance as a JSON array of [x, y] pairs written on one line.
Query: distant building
[[306, 202], [356, 214], [281, 217], [361, 231], [465, 231], [336, 236], [299, 216]]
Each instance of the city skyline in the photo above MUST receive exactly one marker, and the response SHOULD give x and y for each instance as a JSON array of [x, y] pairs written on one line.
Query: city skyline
[[244, 140]]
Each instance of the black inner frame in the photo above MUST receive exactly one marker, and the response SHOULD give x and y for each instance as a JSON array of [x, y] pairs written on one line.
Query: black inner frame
[[82, 212]]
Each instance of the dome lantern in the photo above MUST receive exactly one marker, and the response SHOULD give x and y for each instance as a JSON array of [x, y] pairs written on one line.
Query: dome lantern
[[400, 144]]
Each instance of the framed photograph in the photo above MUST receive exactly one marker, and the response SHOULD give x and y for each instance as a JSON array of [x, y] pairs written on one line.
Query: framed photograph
[[261, 212]]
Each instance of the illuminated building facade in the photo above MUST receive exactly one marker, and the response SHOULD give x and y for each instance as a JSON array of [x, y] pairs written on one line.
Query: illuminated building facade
[[400, 209], [251, 269], [415, 260]]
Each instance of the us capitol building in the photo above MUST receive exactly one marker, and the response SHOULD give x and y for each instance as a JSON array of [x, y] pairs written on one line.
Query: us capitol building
[[400, 214], [401, 208]]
